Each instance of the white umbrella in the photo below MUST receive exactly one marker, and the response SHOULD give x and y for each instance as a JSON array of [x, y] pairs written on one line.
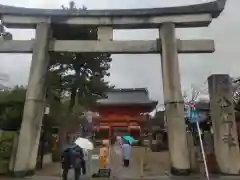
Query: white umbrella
[[84, 143]]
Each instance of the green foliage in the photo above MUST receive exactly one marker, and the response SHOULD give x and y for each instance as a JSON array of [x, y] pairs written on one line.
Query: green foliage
[[78, 75], [12, 104], [15, 94], [11, 107]]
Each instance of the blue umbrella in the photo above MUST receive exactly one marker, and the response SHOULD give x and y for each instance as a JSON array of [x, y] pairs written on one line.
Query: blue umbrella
[[130, 139]]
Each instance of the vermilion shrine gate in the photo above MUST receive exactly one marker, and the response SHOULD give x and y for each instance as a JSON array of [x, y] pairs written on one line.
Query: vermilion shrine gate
[[123, 112], [164, 19]]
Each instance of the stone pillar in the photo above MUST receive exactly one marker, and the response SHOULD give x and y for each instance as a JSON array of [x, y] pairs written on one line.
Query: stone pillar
[[224, 125], [28, 141], [105, 33], [194, 163], [177, 137]]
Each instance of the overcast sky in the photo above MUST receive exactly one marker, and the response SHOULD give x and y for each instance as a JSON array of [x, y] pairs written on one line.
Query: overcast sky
[[131, 71]]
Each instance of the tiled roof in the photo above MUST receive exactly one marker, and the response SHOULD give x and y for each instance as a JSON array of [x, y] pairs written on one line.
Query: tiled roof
[[127, 96]]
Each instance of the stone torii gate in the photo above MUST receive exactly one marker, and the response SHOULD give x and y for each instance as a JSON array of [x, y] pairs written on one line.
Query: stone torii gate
[[164, 19]]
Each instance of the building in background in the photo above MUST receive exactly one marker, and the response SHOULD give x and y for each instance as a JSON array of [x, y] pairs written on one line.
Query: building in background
[[122, 112]]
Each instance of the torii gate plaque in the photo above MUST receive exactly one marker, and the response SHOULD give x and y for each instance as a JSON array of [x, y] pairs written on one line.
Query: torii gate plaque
[[164, 19]]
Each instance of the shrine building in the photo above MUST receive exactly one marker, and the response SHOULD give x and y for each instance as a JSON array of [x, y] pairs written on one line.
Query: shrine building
[[123, 112]]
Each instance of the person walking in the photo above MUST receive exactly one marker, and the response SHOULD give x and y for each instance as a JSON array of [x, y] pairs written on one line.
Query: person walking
[[78, 158], [66, 163], [126, 153]]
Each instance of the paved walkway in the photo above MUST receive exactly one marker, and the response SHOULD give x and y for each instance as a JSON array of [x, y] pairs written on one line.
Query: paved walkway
[[146, 178], [154, 166], [121, 172], [53, 169], [143, 164]]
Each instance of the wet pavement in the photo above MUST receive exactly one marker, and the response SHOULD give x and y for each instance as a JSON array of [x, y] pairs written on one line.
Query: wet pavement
[[145, 178], [143, 165], [121, 172]]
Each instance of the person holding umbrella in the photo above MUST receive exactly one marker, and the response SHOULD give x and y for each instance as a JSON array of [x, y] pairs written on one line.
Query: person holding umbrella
[[78, 161], [126, 152], [127, 149]]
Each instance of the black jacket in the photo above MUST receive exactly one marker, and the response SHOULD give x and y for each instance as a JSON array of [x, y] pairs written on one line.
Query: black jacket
[[66, 159], [77, 157]]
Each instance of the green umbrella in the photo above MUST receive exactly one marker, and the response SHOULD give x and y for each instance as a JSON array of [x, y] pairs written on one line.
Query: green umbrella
[[130, 139]]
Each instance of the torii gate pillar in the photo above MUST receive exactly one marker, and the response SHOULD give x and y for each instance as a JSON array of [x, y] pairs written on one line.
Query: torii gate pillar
[[25, 161], [177, 137]]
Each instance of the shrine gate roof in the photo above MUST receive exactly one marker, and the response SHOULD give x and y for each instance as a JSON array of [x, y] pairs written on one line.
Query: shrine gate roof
[[214, 8], [138, 96]]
